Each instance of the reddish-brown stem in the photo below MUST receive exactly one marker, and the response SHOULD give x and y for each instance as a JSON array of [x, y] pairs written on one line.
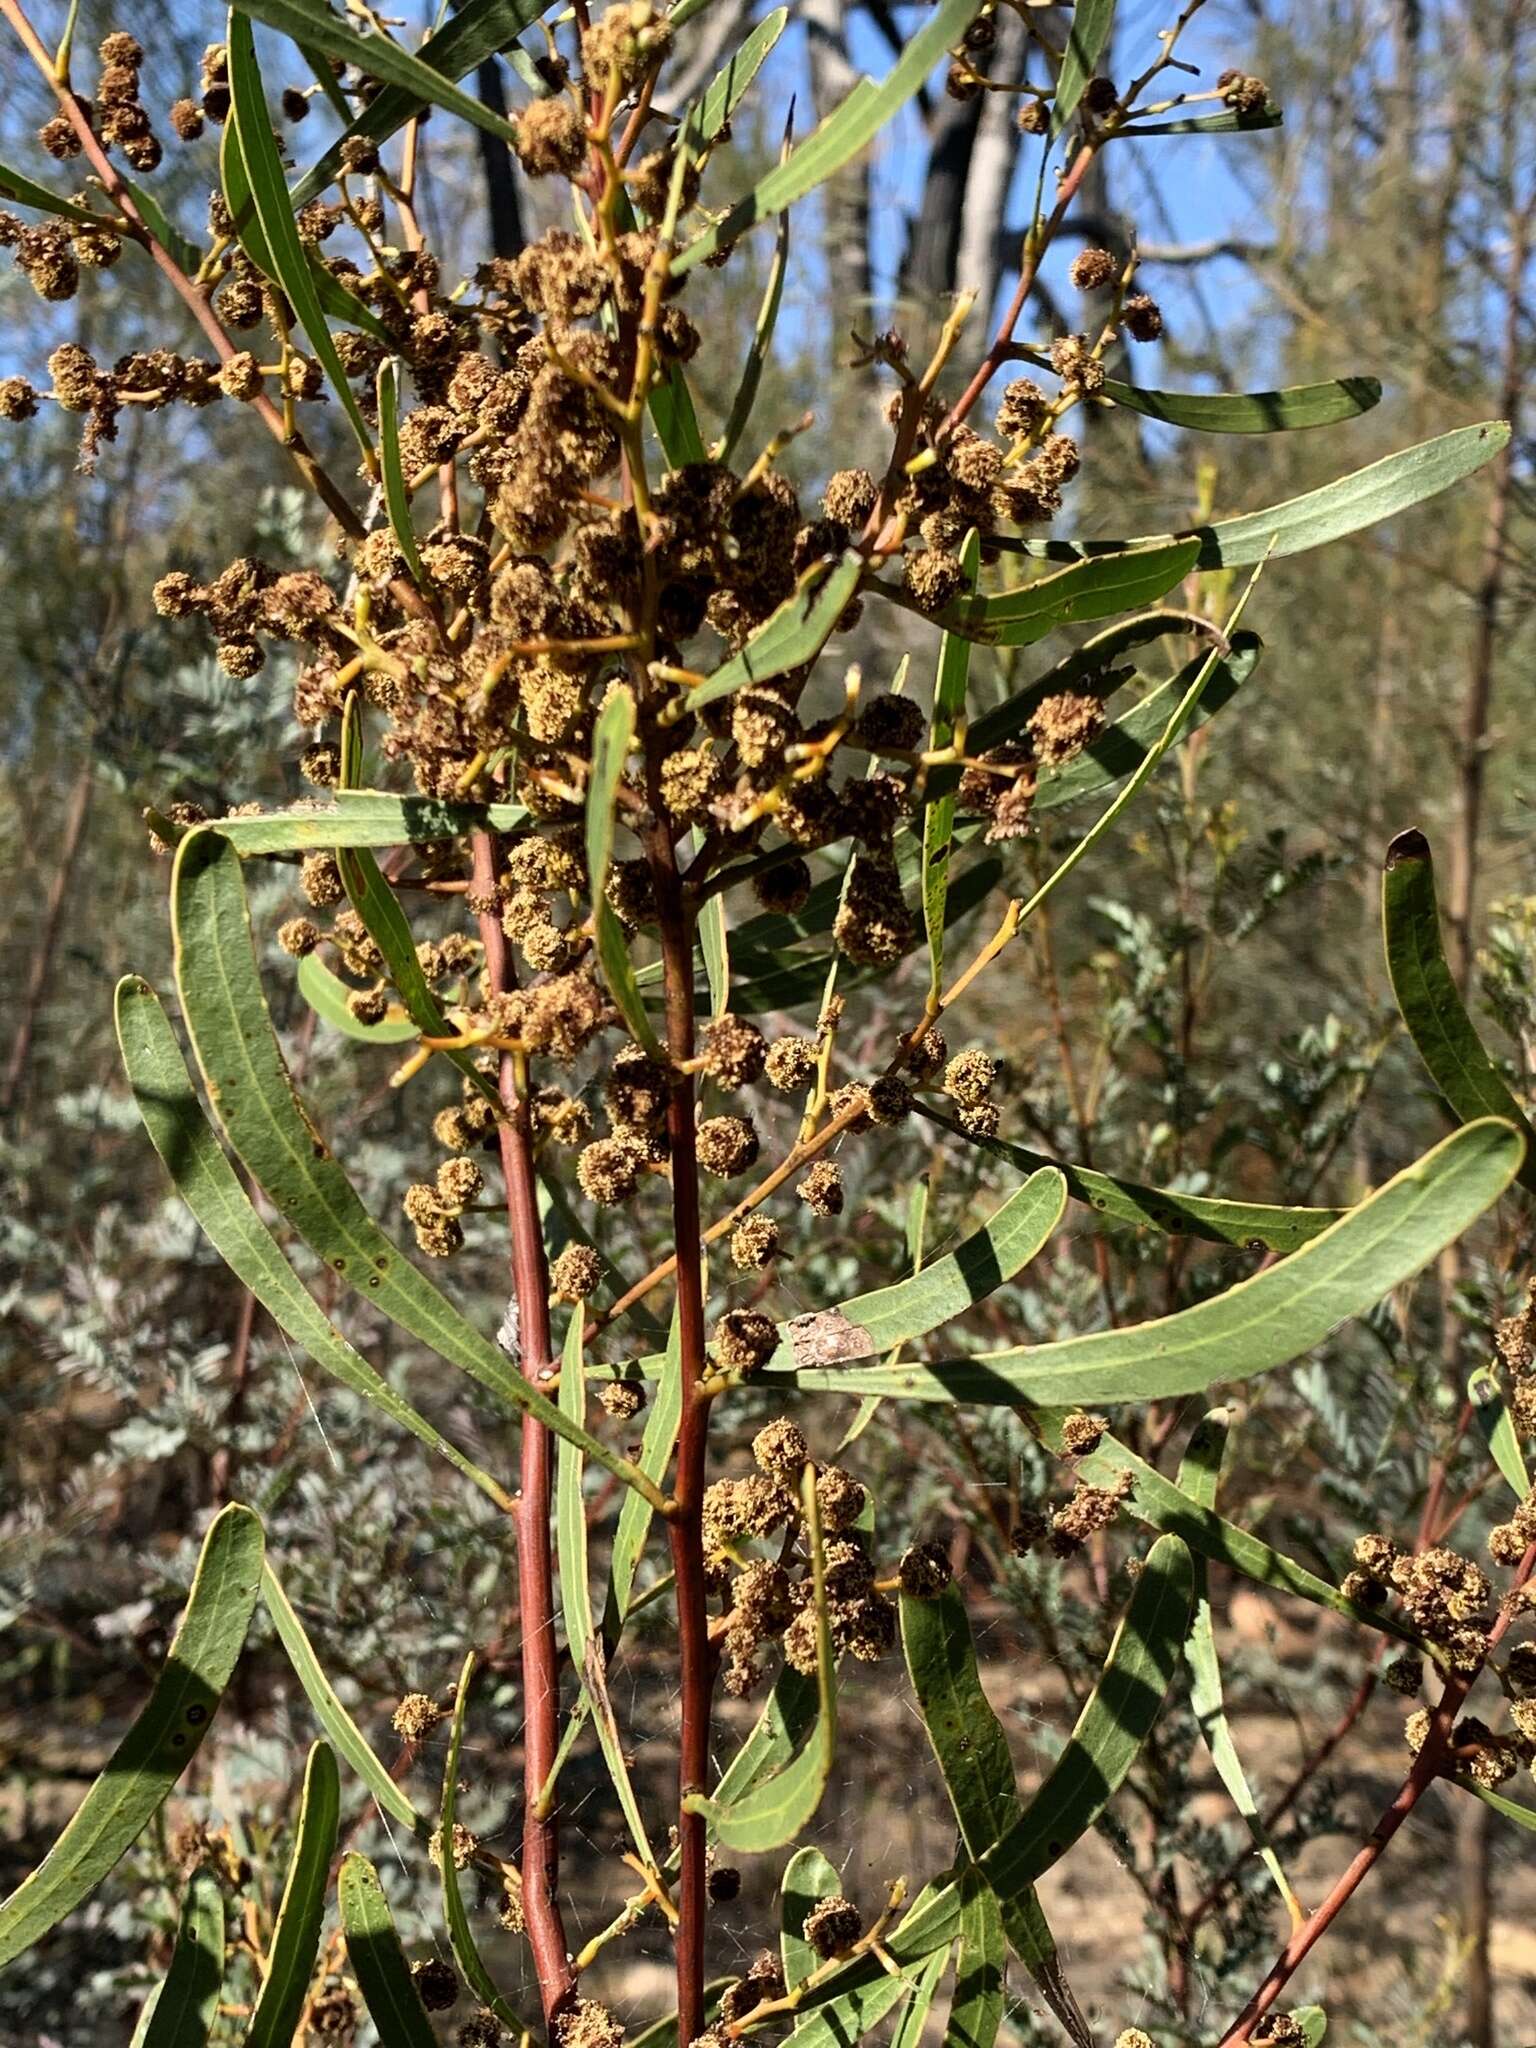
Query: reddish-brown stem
[[1035, 246], [1429, 1764], [535, 1571], [193, 299], [685, 1530]]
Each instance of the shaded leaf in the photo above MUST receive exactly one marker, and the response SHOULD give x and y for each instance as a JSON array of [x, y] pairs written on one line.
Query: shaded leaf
[[808, 1878], [1252, 412], [377, 1959], [296, 1932], [161, 1743], [1095, 589], [1491, 1413], [976, 2003], [794, 634], [188, 2000]]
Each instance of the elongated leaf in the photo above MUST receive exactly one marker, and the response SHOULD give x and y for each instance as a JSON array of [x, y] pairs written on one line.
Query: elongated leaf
[[333, 1717], [1155, 1500], [976, 2003], [776, 1807], [1110, 1731], [188, 2000], [1252, 412], [808, 1878], [847, 130], [635, 1514], [161, 1743], [1087, 44], [312, 25], [165, 231], [846, 2016], [332, 294], [724, 93], [789, 1714], [610, 744], [714, 944], [24, 191], [472, 33], [670, 403], [285, 253], [913, 2017], [794, 634], [326, 994], [758, 349], [252, 1092], [397, 496], [211, 1189], [939, 817], [1232, 123], [1120, 751], [1510, 1809], [377, 1959], [296, 1932], [1260, 1323], [1498, 1430], [1255, 1226], [1364, 499], [1442, 1032], [1199, 1477], [364, 817], [460, 1935], [1096, 589], [966, 1735], [582, 1640]]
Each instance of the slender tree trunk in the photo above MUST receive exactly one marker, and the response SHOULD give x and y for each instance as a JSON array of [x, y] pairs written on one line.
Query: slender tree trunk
[[980, 256]]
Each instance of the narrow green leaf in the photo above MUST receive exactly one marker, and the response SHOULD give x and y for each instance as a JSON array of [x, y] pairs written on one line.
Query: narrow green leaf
[[724, 93], [313, 25], [1096, 589], [377, 1959], [1255, 1226], [758, 349], [333, 1717], [24, 191], [1232, 123], [1442, 1032], [794, 634], [775, 1808], [966, 1736], [636, 1512], [188, 2000], [1262, 1322], [670, 404], [165, 231], [364, 817], [1110, 1731], [1087, 42], [976, 2003], [846, 130], [252, 127], [397, 496], [582, 1640], [161, 1743], [1252, 412], [1493, 1419], [296, 1932], [1363, 499], [472, 33], [939, 817], [251, 1090], [1199, 1476], [714, 944], [619, 973], [788, 1716], [913, 2017], [326, 994], [611, 743], [1511, 1809], [1155, 1500], [211, 1189], [808, 1878], [332, 294], [461, 1937]]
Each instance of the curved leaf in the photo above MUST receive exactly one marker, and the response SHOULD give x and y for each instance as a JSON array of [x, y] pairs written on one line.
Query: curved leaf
[[1096, 589], [794, 634], [286, 258], [377, 1959], [211, 1189], [1254, 1226], [846, 130], [1262, 1322], [966, 1736], [397, 494], [939, 817], [188, 2000], [1430, 1001], [296, 1932], [326, 994], [160, 1744], [460, 1935], [252, 1093], [1252, 412], [24, 191], [363, 817], [331, 1714], [1365, 498], [1111, 1729], [1491, 1413]]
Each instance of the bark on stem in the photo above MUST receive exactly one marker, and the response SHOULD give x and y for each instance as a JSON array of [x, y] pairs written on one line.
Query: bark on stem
[[535, 1572]]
